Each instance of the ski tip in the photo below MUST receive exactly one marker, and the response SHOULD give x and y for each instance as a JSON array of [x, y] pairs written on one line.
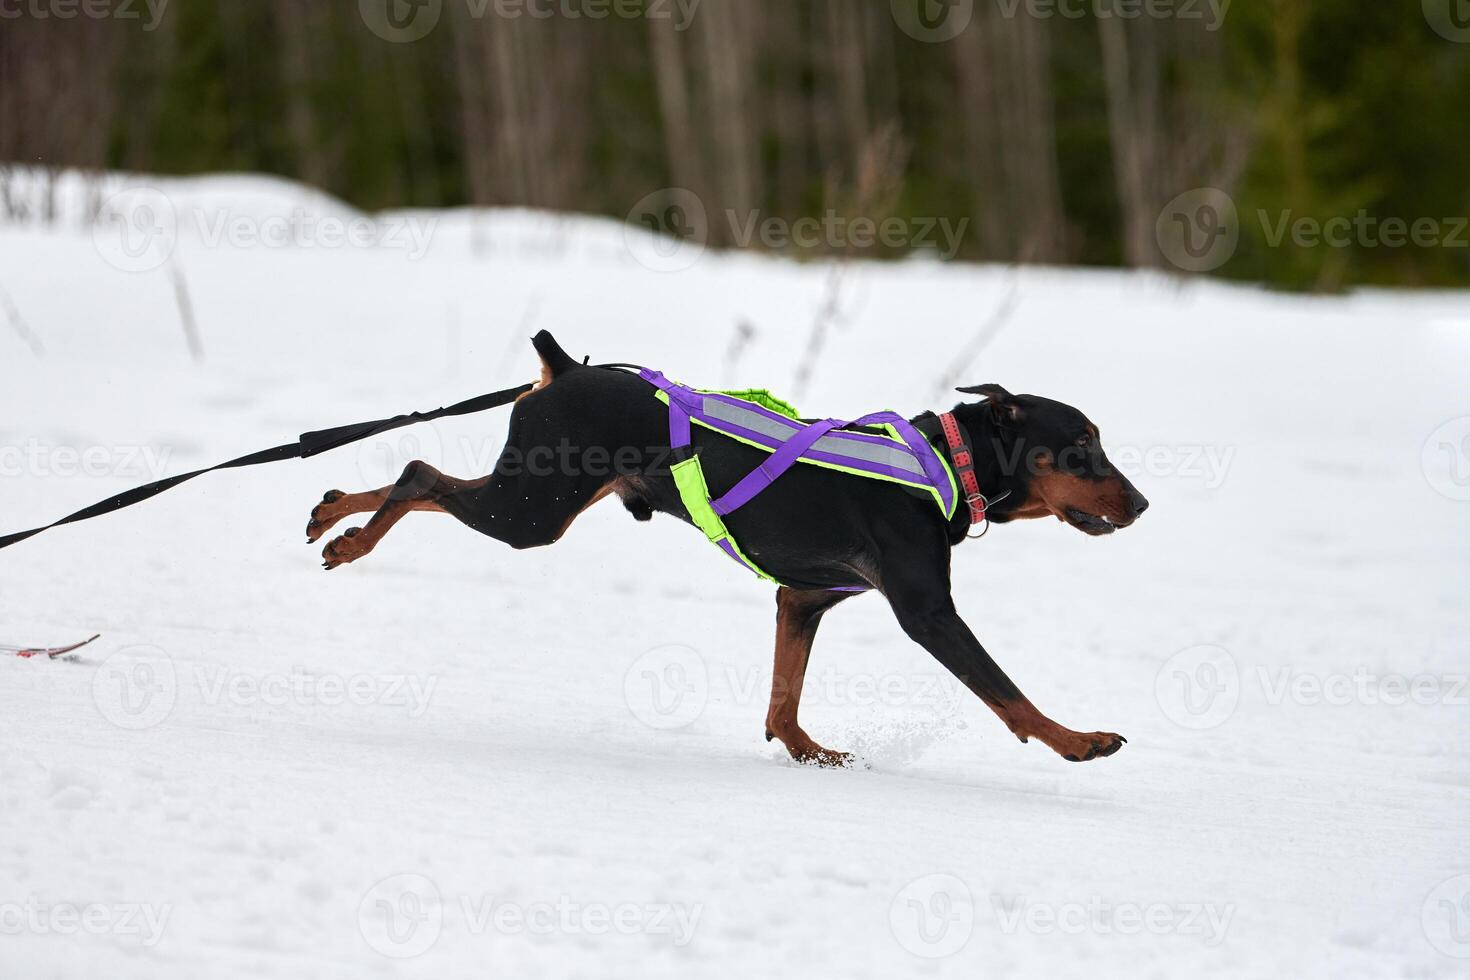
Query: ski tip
[[50, 653]]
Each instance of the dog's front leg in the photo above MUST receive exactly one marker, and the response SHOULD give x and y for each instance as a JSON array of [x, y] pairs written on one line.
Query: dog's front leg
[[928, 616], [798, 613]]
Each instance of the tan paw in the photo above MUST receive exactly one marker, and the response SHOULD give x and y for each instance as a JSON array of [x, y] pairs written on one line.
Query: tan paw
[[345, 549], [325, 515]]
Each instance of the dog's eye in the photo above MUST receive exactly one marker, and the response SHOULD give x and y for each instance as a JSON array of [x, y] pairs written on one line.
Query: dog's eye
[[1085, 440]]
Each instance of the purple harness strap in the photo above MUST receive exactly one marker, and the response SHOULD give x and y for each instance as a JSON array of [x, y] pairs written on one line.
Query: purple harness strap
[[777, 463]]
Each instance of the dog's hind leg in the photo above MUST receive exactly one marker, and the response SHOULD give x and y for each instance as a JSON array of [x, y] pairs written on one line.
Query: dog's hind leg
[[798, 613], [337, 505], [421, 488]]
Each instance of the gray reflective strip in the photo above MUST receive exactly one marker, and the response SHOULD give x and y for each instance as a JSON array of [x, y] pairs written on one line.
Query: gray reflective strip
[[855, 449]]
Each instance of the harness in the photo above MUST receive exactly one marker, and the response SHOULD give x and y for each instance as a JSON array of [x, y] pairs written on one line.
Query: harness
[[891, 449]]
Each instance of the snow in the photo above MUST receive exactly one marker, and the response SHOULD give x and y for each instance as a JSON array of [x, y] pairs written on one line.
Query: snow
[[451, 758]]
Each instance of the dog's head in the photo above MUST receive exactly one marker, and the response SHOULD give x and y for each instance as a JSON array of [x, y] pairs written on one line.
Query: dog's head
[[1050, 458]]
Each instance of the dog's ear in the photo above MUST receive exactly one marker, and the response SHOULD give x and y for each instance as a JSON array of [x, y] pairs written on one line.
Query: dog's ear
[[1002, 402]]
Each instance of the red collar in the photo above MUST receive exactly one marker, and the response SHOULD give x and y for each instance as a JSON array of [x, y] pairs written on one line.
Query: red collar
[[964, 466]]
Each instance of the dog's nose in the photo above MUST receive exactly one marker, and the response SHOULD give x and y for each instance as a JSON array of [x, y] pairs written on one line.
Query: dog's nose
[[1138, 503]]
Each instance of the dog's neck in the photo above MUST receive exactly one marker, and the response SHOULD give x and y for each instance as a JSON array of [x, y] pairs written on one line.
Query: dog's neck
[[1001, 477]]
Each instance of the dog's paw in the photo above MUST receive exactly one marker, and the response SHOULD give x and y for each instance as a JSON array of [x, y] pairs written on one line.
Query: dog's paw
[[824, 758], [1084, 747], [324, 516], [343, 550]]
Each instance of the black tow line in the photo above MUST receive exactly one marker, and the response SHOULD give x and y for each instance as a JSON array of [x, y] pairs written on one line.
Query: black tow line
[[310, 444]]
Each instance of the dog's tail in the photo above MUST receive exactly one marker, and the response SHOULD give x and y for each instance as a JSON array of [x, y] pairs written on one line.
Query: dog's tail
[[555, 362]]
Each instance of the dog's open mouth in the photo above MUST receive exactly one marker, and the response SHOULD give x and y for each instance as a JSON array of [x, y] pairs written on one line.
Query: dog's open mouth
[[1091, 523]]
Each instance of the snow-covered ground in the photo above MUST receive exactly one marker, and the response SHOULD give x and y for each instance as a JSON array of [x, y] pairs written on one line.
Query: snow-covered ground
[[452, 759]]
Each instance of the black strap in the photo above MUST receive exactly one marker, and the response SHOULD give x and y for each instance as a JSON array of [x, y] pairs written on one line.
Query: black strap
[[310, 444]]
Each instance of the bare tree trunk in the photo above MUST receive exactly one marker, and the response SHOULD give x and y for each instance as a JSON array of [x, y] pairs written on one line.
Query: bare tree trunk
[[299, 30], [476, 141], [672, 78], [845, 33], [725, 53], [1132, 124], [1004, 70]]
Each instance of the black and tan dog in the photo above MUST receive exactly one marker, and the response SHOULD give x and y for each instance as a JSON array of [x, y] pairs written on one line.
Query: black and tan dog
[[586, 433]]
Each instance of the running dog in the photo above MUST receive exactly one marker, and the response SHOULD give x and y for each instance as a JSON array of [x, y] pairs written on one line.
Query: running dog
[[585, 433]]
